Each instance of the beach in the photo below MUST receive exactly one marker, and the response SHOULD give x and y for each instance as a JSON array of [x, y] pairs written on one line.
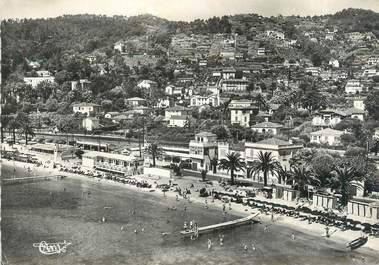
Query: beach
[[56, 210]]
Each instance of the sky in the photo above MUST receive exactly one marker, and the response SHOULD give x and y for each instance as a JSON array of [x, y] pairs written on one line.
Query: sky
[[177, 9]]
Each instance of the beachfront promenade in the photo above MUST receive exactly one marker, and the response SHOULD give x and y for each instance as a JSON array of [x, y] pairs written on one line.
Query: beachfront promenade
[[194, 184]]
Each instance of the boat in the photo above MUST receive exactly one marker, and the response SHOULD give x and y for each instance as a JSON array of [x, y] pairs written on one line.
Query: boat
[[225, 225], [356, 243]]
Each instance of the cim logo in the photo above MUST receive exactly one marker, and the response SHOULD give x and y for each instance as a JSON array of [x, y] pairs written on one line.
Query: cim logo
[[52, 248]]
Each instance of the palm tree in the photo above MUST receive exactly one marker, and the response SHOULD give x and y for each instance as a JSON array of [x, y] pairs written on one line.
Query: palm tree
[[345, 178], [301, 176], [266, 164], [283, 175], [232, 163], [13, 125], [154, 150]]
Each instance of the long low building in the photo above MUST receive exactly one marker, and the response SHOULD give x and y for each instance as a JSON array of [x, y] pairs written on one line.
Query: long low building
[[112, 163]]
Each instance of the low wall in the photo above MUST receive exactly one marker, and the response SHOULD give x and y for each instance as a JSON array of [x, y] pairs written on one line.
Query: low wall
[[154, 171]]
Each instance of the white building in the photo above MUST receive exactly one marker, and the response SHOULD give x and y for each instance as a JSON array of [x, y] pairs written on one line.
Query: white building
[[267, 127], [242, 111], [261, 51], [327, 117], [180, 121], [211, 100], [234, 85], [177, 111], [282, 151], [334, 63], [173, 90], [119, 46], [135, 101], [327, 136], [373, 60], [86, 108], [82, 83], [353, 86], [90, 123], [202, 150], [34, 81], [112, 163], [359, 104], [147, 84], [314, 71]]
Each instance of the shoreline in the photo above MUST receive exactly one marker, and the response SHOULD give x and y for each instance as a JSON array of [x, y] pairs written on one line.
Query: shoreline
[[314, 229]]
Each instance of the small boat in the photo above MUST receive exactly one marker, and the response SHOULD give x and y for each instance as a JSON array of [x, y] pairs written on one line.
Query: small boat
[[225, 225], [356, 243]]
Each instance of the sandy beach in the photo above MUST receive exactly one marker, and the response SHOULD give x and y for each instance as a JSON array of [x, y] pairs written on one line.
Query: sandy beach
[[314, 229]]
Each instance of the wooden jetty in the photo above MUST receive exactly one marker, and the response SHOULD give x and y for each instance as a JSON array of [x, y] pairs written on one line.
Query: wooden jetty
[[220, 226]]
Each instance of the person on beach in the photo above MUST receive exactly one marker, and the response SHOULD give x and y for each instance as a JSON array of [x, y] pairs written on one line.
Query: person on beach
[[185, 226], [293, 237], [191, 225], [252, 246], [245, 248], [223, 207], [135, 231], [103, 219], [266, 228], [272, 216], [221, 237], [185, 208], [327, 231], [230, 206], [177, 197], [122, 228], [209, 244]]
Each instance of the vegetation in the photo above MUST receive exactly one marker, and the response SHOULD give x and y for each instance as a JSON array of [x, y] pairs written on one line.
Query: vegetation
[[232, 163], [265, 164], [154, 150]]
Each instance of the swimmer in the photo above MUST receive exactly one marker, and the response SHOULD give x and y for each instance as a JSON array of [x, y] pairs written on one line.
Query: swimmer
[[223, 207], [177, 197], [142, 229], [230, 205], [122, 228], [221, 239], [135, 231], [266, 228], [253, 246], [185, 208], [185, 226], [245, 248]]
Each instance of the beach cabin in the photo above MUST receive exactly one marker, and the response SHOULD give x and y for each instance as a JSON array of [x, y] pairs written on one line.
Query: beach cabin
[[112, 163], [364, 210], [324, 201]]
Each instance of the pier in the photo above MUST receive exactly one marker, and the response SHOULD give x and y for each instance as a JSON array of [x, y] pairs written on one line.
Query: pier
[[226, 225]]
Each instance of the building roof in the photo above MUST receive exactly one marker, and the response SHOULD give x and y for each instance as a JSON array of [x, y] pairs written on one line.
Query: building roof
[[275, 141], [135, 99], [94, 154], [267, 124], [85, 104], [180, 117], [206, 134], [335, 111], [328, 131]]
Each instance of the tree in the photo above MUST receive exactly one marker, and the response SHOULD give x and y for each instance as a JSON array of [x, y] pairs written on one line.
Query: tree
[[13, 125], [302, 176], [345, 178], [52, 105], [25, 126], [266, 164], [154, 150], [233, 163], [214, 163], [322, 165], [372, 103]]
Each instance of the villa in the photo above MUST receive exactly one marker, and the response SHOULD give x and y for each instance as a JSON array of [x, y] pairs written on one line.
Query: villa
[[202, 150], [327, 136], [267, 127]]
